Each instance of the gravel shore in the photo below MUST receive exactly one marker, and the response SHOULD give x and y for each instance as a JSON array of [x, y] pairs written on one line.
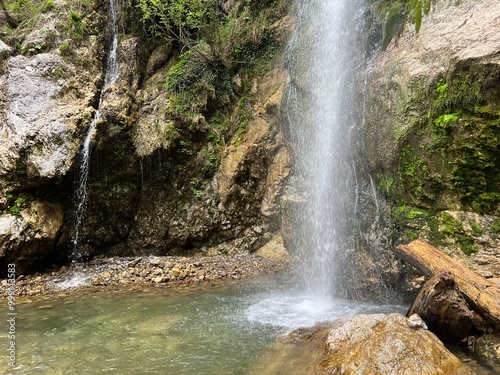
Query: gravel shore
[[150, 270]]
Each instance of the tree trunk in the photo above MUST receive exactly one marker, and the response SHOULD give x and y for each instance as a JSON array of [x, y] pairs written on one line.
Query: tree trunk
[[445, 309], [482, 294]]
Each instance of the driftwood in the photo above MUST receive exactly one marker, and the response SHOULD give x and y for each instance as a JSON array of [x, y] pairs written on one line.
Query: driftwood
[[445, 310], [481, 294]]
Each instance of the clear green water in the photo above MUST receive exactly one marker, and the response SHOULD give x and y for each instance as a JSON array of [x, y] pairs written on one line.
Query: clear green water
[[215, 329]]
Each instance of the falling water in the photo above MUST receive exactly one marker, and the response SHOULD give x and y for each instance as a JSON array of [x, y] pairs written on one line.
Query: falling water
[[324, 59], [111, 75]]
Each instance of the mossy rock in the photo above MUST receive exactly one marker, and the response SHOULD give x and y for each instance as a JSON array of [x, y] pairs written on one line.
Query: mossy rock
[[452, 157]]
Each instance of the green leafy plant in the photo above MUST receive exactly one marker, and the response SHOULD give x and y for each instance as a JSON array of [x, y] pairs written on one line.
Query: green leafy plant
[[75, 24], [196, 85], [16, 204]]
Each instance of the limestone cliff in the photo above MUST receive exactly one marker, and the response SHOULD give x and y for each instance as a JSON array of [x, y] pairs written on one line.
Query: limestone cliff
[[433, 128], [165, 178]]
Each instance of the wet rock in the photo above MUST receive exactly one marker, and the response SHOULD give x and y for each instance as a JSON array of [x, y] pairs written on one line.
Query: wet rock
[[385, 344], [376, 344], [487, 348], [274, 249]]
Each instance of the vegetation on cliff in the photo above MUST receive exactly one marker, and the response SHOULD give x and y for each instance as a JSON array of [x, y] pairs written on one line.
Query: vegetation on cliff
[[441, 122], [188, 94]]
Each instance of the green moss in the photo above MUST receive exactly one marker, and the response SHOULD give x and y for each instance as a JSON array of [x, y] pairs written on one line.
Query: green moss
[[415, 182], [197, 85], [456, 149], [413, 214], [466, 243], [445, 121], [444, 228], [386, 184], [476, 228], [495, 227]]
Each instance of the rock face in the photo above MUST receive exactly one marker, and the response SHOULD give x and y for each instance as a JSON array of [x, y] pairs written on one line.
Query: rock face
[[161, 182], [487, 349], [28, 238], [364, 344], [46, 98], [432, 130]]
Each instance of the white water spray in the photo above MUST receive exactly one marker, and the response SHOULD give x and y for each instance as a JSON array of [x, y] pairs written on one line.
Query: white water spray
[[322, 119], [324, 58], [110, 77]]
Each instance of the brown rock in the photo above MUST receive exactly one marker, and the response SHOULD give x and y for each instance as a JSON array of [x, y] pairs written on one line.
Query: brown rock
[[376, 344], [385, 344]]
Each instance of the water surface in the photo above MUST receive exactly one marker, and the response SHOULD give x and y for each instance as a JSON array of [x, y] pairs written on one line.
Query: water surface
[[210, 329]]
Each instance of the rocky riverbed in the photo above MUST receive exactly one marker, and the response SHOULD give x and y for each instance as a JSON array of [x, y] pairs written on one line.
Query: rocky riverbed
[[152, 270]]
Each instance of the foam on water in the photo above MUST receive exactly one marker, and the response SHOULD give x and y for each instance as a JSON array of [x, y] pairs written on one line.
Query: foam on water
[[292, 310], [75, 280]]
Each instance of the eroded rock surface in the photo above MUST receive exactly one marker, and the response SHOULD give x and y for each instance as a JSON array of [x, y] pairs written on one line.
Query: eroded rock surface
[[374, 344]]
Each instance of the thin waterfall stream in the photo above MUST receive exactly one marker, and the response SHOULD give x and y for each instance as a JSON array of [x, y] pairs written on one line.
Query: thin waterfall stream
[[110, 77], [80, 277]]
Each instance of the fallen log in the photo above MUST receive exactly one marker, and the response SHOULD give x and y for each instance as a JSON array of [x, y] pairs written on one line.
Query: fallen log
[[445, 310], [482, 294]]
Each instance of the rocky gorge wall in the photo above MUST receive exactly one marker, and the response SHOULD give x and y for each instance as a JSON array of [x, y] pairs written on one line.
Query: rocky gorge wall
[[170, 175], [166, 177], [432, 133]]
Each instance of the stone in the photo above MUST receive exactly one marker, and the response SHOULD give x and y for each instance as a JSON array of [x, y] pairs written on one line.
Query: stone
[[385, 344], [416, 322], [487, 348], [158, 279], [374, 344], [5, 51], [274, 249], [29, 237], [176, 272]]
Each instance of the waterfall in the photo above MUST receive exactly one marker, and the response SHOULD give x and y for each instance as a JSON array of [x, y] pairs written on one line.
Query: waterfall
[[110, 77], [324, 58]]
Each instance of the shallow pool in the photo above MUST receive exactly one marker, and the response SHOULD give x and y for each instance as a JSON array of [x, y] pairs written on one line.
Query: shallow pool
[[209, 329]]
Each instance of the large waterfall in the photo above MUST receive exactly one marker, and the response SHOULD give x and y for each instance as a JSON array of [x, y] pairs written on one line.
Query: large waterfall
[[325, 58], [110, 77]]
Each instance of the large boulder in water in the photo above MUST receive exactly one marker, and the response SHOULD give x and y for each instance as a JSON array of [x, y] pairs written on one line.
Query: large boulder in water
[[386, 344], [374, 344]]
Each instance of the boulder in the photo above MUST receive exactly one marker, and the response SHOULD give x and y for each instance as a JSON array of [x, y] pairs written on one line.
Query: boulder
[[385, 344], [487, 349], [274, 249], [28, 237], [371, 344]]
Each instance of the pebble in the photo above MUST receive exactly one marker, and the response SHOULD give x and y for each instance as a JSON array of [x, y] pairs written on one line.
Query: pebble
[[147, 271]]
